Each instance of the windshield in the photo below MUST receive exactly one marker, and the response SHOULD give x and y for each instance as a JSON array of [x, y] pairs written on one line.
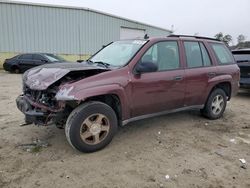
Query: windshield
[[53, 57], [118, 53]]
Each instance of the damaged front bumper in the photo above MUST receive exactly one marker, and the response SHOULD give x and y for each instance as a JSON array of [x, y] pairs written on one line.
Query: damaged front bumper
[[37, 113]]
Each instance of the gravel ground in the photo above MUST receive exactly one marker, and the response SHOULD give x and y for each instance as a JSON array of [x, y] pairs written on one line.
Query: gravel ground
[[176, 150]]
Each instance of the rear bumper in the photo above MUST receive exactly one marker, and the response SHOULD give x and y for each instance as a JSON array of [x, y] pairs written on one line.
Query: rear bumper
[[245, 83]]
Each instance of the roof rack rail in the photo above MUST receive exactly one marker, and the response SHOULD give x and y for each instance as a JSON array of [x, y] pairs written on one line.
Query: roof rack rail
[[190, 36]]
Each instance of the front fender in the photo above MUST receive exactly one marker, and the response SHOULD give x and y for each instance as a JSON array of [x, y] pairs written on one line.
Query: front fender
[[71, 93]]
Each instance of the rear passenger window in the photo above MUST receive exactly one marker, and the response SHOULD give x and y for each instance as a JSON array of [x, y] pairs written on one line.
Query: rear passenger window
[[193, 54], [196, 54], [38, 57], [205, 56], [222, 53], [25, 56]]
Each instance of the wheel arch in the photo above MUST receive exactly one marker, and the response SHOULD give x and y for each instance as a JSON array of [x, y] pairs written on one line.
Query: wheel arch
[[112, 100], [226, 86], [14, 67]]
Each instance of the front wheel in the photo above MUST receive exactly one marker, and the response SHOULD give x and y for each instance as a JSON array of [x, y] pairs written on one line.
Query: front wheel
[[216, 104], [91, 126], [15, 69]]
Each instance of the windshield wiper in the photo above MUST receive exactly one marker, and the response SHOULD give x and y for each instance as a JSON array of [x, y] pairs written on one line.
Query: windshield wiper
[[99, 62]]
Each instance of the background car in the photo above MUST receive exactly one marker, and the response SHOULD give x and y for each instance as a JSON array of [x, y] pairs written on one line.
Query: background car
[[23, 62], [242, 56]]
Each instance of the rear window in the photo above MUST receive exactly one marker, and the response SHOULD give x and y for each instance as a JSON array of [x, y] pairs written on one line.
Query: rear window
[[241, 56], [222, 53]]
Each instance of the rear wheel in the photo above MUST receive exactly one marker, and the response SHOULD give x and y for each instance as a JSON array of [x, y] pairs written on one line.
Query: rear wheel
[[216, 104], [91, 126]]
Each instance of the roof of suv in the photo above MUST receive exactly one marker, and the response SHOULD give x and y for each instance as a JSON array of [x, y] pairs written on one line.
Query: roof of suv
[[189, 37], [194, 37]]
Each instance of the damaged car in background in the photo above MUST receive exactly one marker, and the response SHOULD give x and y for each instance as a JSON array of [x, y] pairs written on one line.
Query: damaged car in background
[[126, 81]]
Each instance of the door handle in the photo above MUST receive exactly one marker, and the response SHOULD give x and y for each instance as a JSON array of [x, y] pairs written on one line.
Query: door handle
[[211, 74], [178, 78]]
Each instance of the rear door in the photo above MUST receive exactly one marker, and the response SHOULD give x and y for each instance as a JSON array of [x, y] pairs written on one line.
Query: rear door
[[161, 90], [25, 61], [39, 60], [198, 71]]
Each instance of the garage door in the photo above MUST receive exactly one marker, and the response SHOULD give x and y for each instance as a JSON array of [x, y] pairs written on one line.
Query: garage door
[[129, 33]]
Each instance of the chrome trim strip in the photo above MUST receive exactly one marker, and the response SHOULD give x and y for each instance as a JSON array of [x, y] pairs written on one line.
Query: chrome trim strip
[[124, 122]]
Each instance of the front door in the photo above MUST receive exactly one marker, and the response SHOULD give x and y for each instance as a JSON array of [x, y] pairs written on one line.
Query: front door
[[163, 89]]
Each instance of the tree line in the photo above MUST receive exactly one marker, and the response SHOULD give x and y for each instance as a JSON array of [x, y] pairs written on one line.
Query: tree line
[[241, 39]]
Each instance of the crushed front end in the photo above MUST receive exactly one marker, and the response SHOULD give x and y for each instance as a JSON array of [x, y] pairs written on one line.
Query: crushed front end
[[44, 100], [40, 107]]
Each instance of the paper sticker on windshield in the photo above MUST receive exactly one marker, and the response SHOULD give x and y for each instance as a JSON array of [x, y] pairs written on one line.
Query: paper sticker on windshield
[[140, 42]]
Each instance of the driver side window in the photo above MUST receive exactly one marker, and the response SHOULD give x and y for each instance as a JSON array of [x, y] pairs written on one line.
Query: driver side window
[[164, 54]]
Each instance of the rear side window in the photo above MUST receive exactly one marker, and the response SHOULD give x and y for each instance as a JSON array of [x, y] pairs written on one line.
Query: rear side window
[[196, 54], [222, 53], [25, 56], [205, 56], [38, 57]]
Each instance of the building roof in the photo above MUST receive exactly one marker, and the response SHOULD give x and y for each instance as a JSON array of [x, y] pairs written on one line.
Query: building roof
[[80, 8]]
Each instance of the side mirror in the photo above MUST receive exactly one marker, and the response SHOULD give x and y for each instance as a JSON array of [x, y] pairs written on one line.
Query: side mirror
[[147, 66]]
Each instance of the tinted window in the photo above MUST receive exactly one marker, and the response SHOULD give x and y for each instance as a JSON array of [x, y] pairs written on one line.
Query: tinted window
[[222, 53], [25, 56], [193, 54], [38, 57], [164, 54], [196, 54], [205, 56]]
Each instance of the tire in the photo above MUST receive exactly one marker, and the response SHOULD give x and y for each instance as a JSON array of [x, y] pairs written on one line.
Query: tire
[[87, 123], [15, 69], [215, 105]]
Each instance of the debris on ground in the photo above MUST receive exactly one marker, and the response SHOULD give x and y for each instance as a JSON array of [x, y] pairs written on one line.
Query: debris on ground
[[243, 161], [34, 147], [224, 146], [25, 124], [219, 152], [167, 177], [244, 140], [233, 140], [246, 127]]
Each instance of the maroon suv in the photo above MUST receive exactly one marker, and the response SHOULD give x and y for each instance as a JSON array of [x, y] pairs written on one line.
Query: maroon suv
[[126, 81]]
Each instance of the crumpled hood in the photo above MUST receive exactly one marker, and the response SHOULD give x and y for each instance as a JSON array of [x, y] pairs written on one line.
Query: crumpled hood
[[41, 77]]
